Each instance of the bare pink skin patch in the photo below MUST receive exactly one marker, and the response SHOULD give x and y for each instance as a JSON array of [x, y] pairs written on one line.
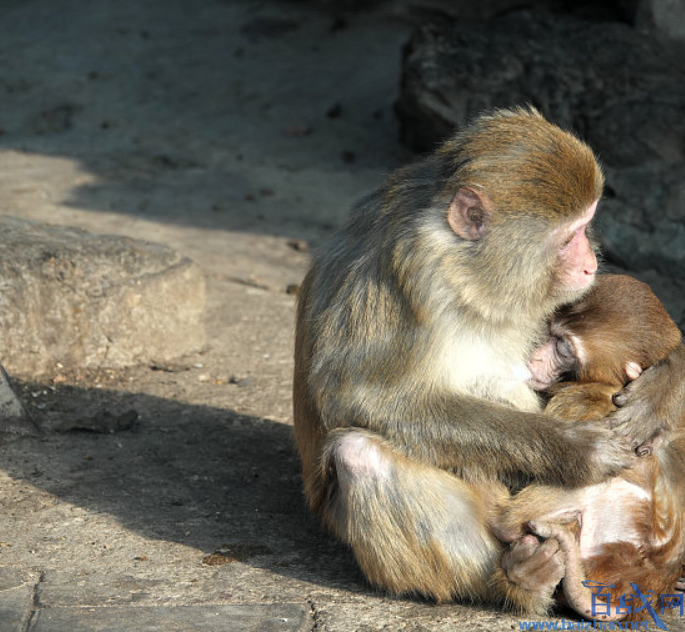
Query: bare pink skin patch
[[577, 261]]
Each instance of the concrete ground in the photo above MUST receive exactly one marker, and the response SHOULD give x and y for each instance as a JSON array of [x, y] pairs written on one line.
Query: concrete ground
[[238, 133]]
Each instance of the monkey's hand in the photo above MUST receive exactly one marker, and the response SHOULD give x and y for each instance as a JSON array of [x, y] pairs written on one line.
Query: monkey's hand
[[606, 453], [654, 403]]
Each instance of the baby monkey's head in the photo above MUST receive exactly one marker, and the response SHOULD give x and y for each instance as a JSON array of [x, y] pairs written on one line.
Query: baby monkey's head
[[618, 329]]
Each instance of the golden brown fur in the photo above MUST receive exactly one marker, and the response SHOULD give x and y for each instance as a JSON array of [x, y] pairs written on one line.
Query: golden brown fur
[[415, 322], [618, 321]]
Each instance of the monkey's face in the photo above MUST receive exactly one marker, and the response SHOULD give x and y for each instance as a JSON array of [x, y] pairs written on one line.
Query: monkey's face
[[552, 361], [521, 262], [576, 262]]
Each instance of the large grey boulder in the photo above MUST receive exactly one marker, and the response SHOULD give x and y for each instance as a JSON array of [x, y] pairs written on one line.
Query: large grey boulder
[[15, 421], [661, 18], [83, 300], [642, 226], [621, 91]]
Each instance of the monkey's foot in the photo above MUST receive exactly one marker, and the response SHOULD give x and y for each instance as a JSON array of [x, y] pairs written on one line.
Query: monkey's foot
[[577, 595], [528, 574]]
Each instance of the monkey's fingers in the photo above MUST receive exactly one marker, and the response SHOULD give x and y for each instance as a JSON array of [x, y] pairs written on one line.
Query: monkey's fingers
[[577, 595], [612, 452], [506, 532], [559, 527], [621, 398], [636, 420], [633, 370], [640, 388], [649, 447], [645, 450], [655, 401], [543, 529], [637, 423]]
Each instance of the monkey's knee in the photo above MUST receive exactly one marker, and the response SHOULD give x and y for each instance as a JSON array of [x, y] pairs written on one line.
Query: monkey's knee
[[357, 456]]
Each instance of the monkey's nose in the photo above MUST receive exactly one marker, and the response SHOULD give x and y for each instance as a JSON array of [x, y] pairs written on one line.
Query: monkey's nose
[[591, 265]]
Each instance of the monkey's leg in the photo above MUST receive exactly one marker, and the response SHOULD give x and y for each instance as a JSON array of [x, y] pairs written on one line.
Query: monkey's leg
[[413, 528], [577, 595]]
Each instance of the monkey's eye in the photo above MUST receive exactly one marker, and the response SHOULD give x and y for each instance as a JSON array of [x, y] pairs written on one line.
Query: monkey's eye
[[564, 349], [567, 241]]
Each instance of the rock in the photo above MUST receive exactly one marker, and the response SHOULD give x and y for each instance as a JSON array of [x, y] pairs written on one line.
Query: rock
[[14, 418], [70, 297], [643, 226], [627, 102], [284, 617], [621, 91], [483, 10], [665, 18]]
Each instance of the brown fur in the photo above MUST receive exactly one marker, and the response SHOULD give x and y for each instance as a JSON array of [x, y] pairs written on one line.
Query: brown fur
[[620, 321], [413, 331]]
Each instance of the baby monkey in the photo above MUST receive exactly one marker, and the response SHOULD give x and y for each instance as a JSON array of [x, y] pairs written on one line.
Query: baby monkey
[[600, 343], [628, 529]]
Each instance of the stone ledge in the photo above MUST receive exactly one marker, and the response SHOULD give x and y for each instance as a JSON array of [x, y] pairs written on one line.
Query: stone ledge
[[93, 300], [209, 618]]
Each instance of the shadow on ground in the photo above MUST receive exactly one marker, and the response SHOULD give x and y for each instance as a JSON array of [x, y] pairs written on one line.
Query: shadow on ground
[[224, 483], [222, 114]]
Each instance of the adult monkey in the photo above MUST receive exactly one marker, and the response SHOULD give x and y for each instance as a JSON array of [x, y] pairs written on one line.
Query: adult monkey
[[414, 327]]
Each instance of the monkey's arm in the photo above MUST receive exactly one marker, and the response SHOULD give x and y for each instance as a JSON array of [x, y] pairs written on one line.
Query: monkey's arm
[[541, 503], [669, 493], [654, 403], [476, 437], [517, 442]]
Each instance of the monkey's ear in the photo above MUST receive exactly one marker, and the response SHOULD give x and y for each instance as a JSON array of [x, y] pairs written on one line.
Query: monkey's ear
[[467, 215]]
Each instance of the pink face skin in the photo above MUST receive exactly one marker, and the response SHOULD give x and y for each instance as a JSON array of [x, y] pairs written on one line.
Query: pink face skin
[[555, 356], [577, 261], [543, 366]]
